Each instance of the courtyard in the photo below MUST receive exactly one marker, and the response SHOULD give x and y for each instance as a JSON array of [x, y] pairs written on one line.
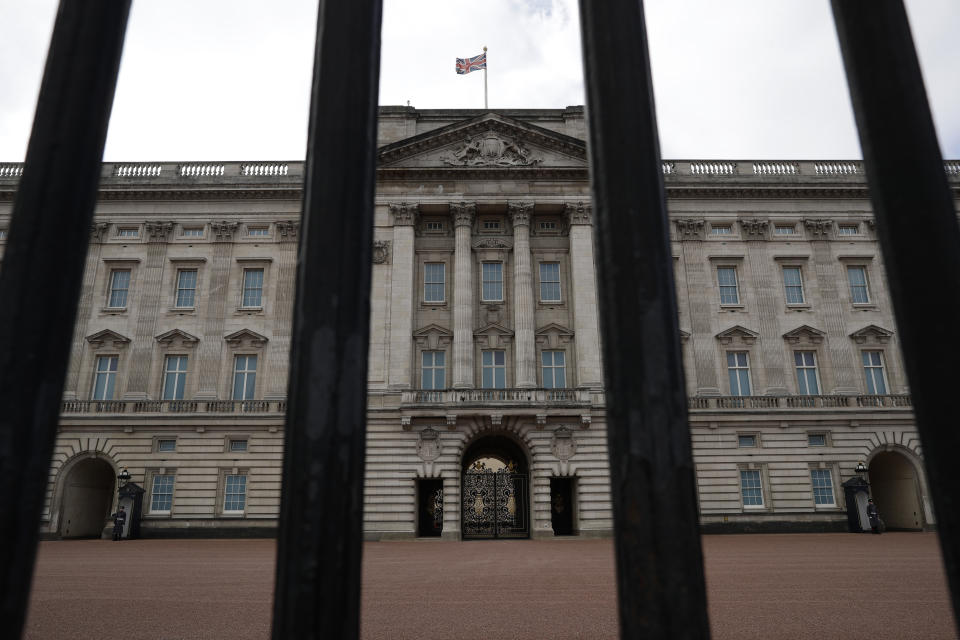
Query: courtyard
[[759, 586]]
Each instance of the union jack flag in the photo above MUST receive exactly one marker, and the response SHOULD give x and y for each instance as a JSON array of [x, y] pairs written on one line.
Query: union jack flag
[[466, 65]]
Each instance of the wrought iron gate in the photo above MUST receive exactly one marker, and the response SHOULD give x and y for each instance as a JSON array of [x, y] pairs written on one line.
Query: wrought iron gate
[[494, 505]]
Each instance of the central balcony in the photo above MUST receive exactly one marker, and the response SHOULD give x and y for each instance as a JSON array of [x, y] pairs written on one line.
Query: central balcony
[[425, 398]]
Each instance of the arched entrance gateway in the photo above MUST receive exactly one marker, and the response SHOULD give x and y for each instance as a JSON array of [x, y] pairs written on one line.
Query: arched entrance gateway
[[495, 490], [88, 490], [895, 487]]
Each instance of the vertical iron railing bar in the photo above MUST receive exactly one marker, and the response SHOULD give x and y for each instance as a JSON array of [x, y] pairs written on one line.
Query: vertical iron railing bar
[[42, 271], [660, 579], [918, 232], [321, 517]]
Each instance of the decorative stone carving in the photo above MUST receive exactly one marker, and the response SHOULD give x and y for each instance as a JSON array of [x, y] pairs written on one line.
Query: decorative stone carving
[[872, 334], [158, 231], [492, 243], [493, 336], [429, 446], [97, 231], [690, 228], [433, 336], [490, 149], [738, 335], [804, 335], [177, 338], [109, 338], [579, 213], [754, 228], [381, 251], [818, 228], [562, 445], [288, 230], [520, 212], [585, 421], [223, 231], [463, 213], [404, 214], [245, 338], [553, 336]]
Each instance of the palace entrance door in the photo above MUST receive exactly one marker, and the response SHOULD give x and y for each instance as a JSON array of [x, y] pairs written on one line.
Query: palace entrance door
[[495, 494]]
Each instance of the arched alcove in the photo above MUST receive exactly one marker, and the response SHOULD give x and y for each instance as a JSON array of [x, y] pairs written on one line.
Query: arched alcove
[[895, 488], [87, 497]]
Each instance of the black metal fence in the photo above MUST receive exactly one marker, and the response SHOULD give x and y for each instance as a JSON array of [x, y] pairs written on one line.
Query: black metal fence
[[659, 564]]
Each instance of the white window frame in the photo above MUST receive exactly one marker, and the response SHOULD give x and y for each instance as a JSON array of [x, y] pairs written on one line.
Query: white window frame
[[434, 226], [158, 447], [821, 434], [785, 230], [797, 368], [227, 493], [433, 369], [244, 287], [247, 373], [721, 229], [737, 367], [559, 298], [865, 286], [758, 488], [128, 232], [735, 285], [484, 281], [493, 368], [848, 229], [258, 231], [110, 377], [552, 368], [491, 225], [752, 443], [823, 473], [431, 285], [872, 371], [787, 287], [179, 376], [191, 232], [169, 494], [113, 288], [238, 445], [179, 287]]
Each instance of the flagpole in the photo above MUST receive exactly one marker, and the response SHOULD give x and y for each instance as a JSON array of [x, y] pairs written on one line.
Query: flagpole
[[485, 83]]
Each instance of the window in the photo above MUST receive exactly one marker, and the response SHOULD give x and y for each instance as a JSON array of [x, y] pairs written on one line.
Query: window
[[822, 487], [848, 230], [492, 281], [816, 439], [859, 291], [161, 495], [433, 370], [119, 287], [806, 364], [252, 288], [258, 231], [434, 277], [550, 282], [491, 224], [244, 377], [751, 488], [186, 288], [105, 377], [548, 226], [738, 369], [174, 377], [554, 369], [721, 230], [166, 445], [235, 492], [192, 232], [3, 234], [746, 441], [793, 285], [238, 446], [873, 369], [128, 232], [434, 226], [785, 230], [494, 370], [727, 280]]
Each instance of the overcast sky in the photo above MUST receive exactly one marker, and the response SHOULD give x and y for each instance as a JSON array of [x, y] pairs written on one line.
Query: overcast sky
[[229, 79]]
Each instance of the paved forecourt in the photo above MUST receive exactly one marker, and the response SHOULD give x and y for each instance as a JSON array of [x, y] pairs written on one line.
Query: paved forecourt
[[760, 586]]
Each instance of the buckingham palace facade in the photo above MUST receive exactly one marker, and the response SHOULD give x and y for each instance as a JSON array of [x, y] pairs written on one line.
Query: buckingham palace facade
[[486, 410]]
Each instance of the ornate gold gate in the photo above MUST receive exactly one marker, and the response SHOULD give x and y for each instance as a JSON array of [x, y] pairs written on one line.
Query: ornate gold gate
[[494, 504]]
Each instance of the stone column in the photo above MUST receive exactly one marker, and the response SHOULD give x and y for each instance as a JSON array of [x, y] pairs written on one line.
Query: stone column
[[150, 284], [701, 292], [843, 361], [583, 290], [402, 295], [525, 351], [72, 384], [211, 346], [278, 349], [766, 283], [463, 214]]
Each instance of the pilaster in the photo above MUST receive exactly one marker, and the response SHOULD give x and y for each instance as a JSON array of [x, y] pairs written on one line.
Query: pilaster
[[211, 347], [525, 351], [701, 294], [402, 294], [586, 318], [278, 349], [765, 284], [72, 383], [463, 214]]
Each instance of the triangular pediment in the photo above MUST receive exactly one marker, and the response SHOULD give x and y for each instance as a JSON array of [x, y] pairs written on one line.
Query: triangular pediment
[[804, 333], [245, 337], [489, 141], [493, 329], [737, 333], [432, 329], [107, 338], [554, 328], [175, 336], [872, 333]]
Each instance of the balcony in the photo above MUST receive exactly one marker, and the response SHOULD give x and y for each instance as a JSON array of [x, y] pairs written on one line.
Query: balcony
[[180, 407], [448, 398], [768, 403]]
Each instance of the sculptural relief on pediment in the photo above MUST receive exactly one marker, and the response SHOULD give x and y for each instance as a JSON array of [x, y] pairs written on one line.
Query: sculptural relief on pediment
[[491, 149]]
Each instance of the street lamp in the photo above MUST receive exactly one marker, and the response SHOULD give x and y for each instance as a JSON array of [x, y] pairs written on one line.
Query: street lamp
[[123, 477], [861, 470]]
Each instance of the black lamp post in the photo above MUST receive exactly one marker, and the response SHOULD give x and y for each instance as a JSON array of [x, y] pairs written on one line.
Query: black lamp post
[[123, 477], [861, 470]]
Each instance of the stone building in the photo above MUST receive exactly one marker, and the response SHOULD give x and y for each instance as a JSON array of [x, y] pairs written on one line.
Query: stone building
[[486, 401]]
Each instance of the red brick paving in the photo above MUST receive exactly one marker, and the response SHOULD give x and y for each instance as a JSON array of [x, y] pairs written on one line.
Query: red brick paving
[[760, 586]]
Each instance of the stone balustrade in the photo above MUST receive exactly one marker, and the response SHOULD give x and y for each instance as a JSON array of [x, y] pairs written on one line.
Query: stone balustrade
[[500, 397], [140, 407], [766, 403]]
